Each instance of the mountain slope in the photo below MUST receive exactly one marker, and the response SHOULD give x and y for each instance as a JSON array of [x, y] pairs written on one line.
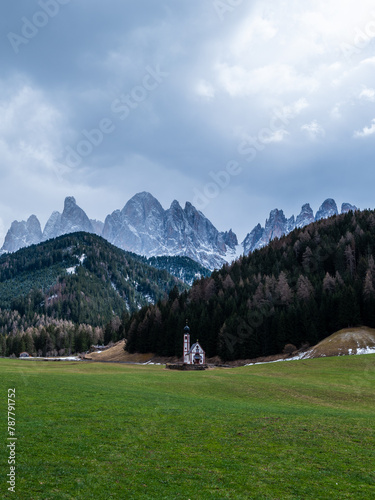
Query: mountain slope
[[79, 277], [183, 268], [298, 289]]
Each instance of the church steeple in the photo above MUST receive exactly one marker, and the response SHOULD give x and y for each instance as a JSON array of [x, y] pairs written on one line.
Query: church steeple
[[186, 342]]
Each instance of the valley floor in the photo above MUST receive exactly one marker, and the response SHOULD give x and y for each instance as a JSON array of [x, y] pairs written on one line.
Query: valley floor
[[298, 430]]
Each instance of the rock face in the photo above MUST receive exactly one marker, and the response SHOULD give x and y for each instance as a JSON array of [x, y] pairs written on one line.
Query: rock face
[[277, 225], [347, 207], [22, 234], [98, 226], [327, 209], [72, 219], [142, 227], [145, 228], [305, 217], [52, 227], [253, 239]]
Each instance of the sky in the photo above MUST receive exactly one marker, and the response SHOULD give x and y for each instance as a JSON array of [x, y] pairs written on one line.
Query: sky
[[238, 106]]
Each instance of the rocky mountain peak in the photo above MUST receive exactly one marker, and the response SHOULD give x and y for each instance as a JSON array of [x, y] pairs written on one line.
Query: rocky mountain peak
[[74, 219], [69, 202], [22, 234], [144, 227], [306, 216], [327, 209], [230, 238], [277, 225], [347, 207]]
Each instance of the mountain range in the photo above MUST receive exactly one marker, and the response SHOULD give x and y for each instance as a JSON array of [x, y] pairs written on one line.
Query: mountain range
[[278, 225], [142, 227], [145, 228]]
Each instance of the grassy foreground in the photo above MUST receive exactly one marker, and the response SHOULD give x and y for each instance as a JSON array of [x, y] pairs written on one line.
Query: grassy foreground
[[293, 430]]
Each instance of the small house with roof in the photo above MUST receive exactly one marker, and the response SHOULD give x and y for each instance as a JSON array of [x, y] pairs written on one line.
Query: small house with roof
[[193, 355]]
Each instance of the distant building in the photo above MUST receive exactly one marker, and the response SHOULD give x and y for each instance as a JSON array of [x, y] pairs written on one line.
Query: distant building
[[193, 355]]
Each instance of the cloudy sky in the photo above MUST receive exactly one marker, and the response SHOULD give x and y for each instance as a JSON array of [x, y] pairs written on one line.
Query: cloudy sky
[[237, 106]]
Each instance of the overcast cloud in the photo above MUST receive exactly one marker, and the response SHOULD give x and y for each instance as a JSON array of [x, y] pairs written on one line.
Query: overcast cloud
[[101, 100]]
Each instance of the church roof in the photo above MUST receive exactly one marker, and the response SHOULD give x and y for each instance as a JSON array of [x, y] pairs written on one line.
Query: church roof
[[193, 348]]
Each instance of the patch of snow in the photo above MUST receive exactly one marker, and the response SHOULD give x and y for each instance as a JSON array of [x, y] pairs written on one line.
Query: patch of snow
[[82, 258], [71, 270], [149, 299], [366, 350], [67, 358], [295, 358]]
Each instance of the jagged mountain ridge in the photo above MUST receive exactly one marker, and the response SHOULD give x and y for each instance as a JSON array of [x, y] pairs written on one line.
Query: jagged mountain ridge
[[278, 225], [145, 228], [141, 227]]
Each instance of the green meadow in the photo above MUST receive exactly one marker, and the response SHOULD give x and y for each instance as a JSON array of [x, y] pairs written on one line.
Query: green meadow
[[290, 430]]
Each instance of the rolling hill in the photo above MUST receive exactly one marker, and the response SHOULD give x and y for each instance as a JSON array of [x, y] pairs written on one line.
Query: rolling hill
[[348, 341]]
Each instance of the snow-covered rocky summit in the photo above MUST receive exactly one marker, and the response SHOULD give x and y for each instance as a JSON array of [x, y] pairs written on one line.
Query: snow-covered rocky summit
[[145, 228], [278, 225], [22, 234], [72, 219], [142, 227]]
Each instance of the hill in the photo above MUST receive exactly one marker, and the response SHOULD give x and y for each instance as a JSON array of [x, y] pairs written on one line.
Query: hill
[[80, 278], [298, 290], [347, 341], [117, 353]]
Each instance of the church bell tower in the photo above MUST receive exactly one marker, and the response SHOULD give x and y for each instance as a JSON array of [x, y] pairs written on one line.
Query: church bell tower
[[186, 343]]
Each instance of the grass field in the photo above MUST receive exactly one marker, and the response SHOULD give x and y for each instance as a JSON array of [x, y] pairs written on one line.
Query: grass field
[[293, 430]]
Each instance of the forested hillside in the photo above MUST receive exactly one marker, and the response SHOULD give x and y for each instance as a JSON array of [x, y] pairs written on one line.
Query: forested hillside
[[299, 289], [80, 279], [184, 268]]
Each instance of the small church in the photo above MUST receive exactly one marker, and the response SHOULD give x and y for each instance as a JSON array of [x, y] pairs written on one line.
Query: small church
[[193, 355]]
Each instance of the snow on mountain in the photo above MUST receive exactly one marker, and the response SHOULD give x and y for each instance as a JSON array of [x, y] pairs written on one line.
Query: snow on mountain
[[347, 207], [145, 228], [305, 217], [22, 234], [142, 227], [327, 209], [278, 225]]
